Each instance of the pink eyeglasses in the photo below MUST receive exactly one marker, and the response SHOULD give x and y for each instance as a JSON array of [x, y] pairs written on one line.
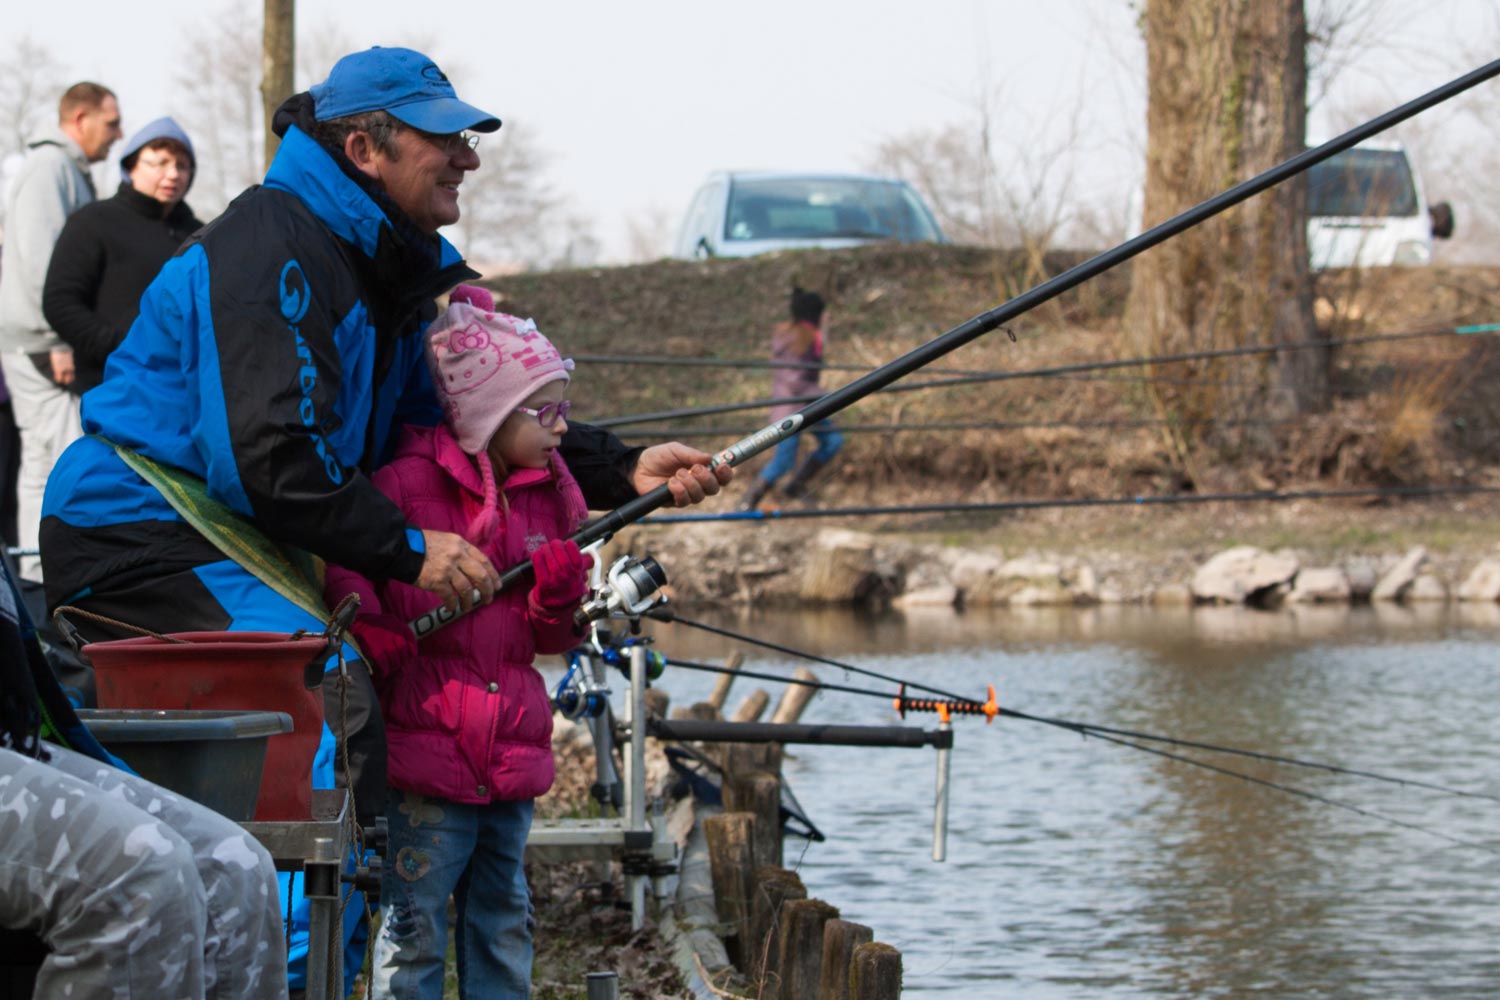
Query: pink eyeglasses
[[548, 415]]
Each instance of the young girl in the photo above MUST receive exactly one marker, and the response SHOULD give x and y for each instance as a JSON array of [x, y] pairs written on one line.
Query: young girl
[[797, 342], [468, 720]]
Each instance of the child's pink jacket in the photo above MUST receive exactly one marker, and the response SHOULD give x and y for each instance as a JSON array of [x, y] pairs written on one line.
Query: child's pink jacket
[[469, 720]]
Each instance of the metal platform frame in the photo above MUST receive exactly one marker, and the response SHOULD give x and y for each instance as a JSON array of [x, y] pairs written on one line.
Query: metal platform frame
[[636, 835], [319, 848]]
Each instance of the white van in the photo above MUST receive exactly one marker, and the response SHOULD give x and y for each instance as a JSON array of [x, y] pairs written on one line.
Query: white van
[[1365, 208], [741, 214]]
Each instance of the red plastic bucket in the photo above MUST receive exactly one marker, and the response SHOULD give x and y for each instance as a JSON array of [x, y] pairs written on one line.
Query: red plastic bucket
[[227, 670]]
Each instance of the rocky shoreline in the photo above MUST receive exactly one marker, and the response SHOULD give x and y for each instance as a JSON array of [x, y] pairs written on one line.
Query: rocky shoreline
[[725, 564]]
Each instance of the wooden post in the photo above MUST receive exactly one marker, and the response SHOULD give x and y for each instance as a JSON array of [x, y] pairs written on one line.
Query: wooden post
[[760, 793], [278, 42], [697, 710], [840, 938], [729, 837], [801, 946], [657, 702], [745, 758], [795, 698], [773, 887], [751, 708], [726, 680], [875, 973]]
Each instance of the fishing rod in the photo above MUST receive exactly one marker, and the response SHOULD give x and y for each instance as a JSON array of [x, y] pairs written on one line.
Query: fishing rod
[[1058, 371], [1143, 500], [832, 402], [1109, 735], [674, 433]]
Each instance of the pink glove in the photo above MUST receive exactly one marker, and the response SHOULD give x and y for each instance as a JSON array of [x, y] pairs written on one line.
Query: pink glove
[[387, 642], [561, 575], [479, 298]]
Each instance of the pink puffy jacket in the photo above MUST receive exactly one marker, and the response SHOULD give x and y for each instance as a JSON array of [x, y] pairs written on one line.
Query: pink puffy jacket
[[469, 720]]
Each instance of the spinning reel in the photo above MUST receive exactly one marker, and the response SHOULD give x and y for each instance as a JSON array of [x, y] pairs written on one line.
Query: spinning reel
[[630, 588]]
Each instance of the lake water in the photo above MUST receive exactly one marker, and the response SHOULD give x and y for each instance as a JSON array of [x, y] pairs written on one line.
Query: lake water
[[1078, 868]]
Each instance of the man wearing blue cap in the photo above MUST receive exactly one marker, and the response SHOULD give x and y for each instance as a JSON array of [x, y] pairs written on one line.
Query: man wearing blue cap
[[273, 360]]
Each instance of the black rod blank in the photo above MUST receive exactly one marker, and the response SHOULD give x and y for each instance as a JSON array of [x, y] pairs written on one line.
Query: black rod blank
[[709, 731]]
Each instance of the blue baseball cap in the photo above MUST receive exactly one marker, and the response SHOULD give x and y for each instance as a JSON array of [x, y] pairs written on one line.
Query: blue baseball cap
[[402, 82]]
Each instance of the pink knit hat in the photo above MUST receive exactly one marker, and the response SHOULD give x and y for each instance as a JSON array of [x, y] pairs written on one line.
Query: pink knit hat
[[484, 364]]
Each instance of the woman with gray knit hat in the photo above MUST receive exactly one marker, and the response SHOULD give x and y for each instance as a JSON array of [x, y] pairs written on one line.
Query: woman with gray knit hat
[[110, 251]]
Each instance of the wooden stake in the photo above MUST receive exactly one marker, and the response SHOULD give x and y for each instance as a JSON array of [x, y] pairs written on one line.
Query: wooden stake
[[795, 698], [657, 702], [729, 837], [875, 973], [840, 938], [801, 946], [746, 758], [751, 708], [773, 887], [760, 793], [726, 680]]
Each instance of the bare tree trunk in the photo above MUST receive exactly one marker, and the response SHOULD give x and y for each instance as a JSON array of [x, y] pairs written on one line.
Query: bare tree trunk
[[1227, 83], [279, 43]]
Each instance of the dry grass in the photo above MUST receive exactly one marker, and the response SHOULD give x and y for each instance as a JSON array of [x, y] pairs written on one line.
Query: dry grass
[[1404, 411]]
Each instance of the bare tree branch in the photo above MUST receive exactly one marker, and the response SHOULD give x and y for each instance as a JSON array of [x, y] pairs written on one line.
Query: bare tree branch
[[219, 103], [30, 83]]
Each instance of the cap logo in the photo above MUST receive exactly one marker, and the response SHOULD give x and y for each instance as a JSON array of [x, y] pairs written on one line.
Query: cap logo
[[431, 72]]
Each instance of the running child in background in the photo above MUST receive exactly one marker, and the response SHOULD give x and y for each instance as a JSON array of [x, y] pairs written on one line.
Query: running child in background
[[798, 344], [468, 719]]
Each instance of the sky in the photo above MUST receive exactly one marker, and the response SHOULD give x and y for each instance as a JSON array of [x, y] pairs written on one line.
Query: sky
[[636, 103]]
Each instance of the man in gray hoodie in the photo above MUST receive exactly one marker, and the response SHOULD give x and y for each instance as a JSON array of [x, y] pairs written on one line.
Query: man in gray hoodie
[[53, 183]]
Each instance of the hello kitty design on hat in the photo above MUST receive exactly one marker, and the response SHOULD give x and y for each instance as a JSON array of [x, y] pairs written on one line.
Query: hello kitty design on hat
[[484, 364]]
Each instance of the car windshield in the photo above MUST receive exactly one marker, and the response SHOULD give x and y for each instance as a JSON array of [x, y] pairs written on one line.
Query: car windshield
[[813, 208], [1362, 183]]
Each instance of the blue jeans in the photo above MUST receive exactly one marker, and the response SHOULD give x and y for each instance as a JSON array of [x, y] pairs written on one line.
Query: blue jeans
[[785, 456], [436, 849]]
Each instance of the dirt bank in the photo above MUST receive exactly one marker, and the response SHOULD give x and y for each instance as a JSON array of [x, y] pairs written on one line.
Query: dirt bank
[[1404, 412]]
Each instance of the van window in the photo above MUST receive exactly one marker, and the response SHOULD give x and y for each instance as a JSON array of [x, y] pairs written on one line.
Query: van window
[[1362, 183], [826, 208]]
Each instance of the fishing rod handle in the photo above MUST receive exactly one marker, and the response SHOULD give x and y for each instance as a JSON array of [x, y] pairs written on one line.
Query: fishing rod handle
[[599, 530], [424, 625]]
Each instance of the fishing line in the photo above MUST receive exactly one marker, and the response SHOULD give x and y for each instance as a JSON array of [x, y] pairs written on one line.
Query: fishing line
[[1394, 492], [1106, 734], [1054, 371], [666, 613], [825, 406], [686, 361], [713, 668], [1082, 728], [1303, 793]]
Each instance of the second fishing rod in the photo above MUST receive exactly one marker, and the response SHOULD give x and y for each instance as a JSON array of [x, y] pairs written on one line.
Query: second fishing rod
[[833, 402]]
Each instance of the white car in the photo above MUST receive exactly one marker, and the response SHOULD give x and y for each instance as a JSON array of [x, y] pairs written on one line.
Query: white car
[[1365, 208], [741, 214]]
